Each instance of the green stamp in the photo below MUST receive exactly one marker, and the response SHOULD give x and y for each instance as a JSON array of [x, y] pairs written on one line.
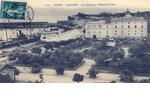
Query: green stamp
[[13, 10]]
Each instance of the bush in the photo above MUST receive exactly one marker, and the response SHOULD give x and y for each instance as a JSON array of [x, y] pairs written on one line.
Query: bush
[[126, 77], [78, 78], [48, 46], [92, 73], [36, 50], [144, 81], [36, 68], [113, 81], [59, 70], [17, 72]]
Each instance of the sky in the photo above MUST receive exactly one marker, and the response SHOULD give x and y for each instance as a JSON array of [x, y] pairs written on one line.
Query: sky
[[46, 11], [62, 12], [119, 3]]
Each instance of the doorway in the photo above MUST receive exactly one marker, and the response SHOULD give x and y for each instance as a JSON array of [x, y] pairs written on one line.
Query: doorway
[[94, 37]]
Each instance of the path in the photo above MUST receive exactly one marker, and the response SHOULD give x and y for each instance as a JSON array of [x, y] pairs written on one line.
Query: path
[[51, 77]]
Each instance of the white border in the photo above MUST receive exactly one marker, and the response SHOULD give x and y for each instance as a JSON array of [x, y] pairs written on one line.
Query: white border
[[75, 88]]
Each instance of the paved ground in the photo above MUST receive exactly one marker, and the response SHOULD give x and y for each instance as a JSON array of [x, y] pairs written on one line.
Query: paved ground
[[126, 51], [51, 77]]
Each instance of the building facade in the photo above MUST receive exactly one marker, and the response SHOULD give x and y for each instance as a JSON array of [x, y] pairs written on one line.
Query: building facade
[[123, 27], [7, 73], [60, 35]]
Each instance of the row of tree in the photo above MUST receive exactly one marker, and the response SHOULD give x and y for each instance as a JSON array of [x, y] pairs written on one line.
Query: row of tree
[[112, 58], [62, 57]]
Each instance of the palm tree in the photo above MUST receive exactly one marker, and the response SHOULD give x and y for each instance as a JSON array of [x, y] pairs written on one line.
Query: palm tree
[[92, 73], [126, 77]]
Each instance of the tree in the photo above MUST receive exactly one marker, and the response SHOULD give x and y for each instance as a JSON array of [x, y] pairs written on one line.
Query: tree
[[78, 78], [138, 49], [92, 73], [23, 58], [36, 50], [17, 72], [126, 77], [48, 46], [118, 55], [36, 59], [100, 60], [36, 68], [60, 70]]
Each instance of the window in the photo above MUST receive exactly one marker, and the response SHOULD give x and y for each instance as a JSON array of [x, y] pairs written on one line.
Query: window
[[4, 72], [43, 37], [99, 32], [141, 34], [128, 22], [128, 34], [134, 33], [142, 26], [115, 30], [89, 26], [141, 30], [99, 26], [128, 30], [94, 26], [107, 26], [94, 32], [107, 32], [115, 26], [135, 30], [115, 33], [128, 26], [135, 26], [122, 26], [89, 33]]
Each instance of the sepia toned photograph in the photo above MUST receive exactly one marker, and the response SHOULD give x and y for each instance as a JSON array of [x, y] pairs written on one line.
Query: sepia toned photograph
[[74, 41]]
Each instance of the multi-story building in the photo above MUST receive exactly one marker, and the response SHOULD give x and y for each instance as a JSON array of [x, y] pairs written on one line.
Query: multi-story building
[[122, 27]]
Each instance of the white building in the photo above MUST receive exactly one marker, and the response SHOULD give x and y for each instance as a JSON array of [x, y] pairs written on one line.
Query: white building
[[57, 36], [127, 26]]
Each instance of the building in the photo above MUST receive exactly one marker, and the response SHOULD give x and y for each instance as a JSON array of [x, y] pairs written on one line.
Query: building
[[121, 27], [78, 19], [7, 73], [9, 31], [60, 35]]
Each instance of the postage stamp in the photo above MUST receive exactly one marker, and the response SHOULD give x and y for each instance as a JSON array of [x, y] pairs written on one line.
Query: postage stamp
[[13, 10]]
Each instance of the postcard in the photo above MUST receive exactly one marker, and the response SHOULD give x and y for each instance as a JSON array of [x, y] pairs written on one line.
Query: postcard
[[74, 41]]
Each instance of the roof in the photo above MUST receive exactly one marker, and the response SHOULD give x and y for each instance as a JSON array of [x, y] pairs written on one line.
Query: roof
[[5, 65], [108, 60], [2, 66], [28, 25]]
